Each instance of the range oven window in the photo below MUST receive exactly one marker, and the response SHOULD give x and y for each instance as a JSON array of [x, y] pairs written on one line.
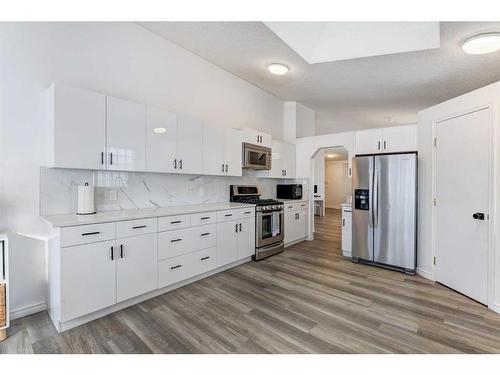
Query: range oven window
[[271, 225], [257, 158]]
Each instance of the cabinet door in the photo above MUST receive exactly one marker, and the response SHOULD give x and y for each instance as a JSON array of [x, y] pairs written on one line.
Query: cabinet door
[[277, 164], [189, 144], [161, 140], [265, 139], [79, 128], [214, 162], [233, 151], [399, 138], [136, 266], [303, 223], [246, 238], [88, 279], [346, 233], [126, 135], [288, 152], [369, 141], [291, 226], [227, 242]]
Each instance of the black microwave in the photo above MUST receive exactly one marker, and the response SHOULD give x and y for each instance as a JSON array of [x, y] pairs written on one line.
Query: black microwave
[[293, 191]]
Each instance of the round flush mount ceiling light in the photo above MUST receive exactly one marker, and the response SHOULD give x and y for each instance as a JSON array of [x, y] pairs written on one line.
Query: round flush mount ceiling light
[[482, 43], [278, 69], [331, 156], [159, 130]]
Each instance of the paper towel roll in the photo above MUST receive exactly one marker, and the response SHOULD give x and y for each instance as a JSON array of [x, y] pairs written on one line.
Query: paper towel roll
[[85, 200]]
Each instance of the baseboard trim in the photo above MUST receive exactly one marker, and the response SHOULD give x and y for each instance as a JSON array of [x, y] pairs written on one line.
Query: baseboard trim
[[297, 241], [424, 273], [28, 310], [495, 307]]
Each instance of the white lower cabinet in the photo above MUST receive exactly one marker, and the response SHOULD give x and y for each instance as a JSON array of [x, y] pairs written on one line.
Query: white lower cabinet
[[136, 266], [346, 231], [88, 279], [94, 267], [296, 221]]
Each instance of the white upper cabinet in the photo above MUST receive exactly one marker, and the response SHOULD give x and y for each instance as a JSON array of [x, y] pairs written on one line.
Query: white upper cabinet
[[189, 145], [78, 119], [126, 135], [288, 160], [221, 151], [383, 140], [256, 137], [399, 138], [369, 141], [233, 151], [161, 140], [283, 161], [214, 156]]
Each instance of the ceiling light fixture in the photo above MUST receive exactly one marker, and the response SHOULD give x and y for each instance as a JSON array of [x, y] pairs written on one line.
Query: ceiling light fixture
[[278, 69], [482, 43], [330, 155], [160, 130]]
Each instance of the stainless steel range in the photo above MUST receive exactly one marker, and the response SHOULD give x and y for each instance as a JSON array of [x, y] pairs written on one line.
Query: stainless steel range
[[269, 219]]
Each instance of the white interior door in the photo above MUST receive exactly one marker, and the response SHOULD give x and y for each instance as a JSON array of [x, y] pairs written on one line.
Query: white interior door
[[462, 192]]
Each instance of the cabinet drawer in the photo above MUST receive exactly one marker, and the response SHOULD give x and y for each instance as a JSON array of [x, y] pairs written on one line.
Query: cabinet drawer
[[203, 218], [293, 206], [246, 212], [227, 215], [204, 236], [135, 227], [175, 242], [173, 222], [83, 234], [185, 266]]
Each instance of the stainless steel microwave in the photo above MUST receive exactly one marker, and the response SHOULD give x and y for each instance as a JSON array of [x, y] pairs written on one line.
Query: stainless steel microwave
[[256, 157]]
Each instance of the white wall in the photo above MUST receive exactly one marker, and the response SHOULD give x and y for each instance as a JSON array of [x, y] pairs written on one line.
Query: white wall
[[319, 172], [489, 95], [306, 126], [337, 183], [120, 59]]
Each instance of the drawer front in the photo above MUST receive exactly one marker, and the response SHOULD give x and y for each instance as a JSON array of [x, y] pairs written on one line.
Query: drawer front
[[203, 218], [227, 215], [175, 242], [204, 236], [204, 260], [303, 205], [291, 206], [185, 266], [171, 271], [83, 234], [136, 227], [174, 222], [246, 212]]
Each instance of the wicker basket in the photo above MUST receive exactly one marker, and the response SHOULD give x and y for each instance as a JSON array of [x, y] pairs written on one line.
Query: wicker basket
[[3, 307]]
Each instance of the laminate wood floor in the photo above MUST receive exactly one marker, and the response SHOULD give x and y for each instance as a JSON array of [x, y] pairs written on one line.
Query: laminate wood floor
[[308, 299]]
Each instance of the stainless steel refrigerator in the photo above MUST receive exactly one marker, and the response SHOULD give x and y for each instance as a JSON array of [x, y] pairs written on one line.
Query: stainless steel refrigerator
[[384, 212]]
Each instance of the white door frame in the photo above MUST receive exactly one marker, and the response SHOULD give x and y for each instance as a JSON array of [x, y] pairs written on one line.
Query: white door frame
[[492, 201]]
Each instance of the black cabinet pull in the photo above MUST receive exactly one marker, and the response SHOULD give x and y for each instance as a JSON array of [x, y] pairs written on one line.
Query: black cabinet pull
[[240, 227], [102, 157], [139, 227], [176, 222], [177, 266], [226, 168], [111, 157], [176, 240], [385, 144], [257, 139], [205, 234], [228, 215], [121, 251], [248, 212], [175, 163], [478, 216], [222, 167], [205, 258], [205, 218], [112, 255], [90, 233], [343, 222], [378, 145], [236, 228], [180, 164]]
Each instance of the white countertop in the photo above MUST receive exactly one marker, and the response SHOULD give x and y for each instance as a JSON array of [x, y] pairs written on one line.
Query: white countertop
[[346, 205], [68, 220]]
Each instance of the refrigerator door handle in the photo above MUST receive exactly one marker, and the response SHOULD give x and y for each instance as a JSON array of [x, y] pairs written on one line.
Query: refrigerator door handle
[[375, 194], [370, 190]]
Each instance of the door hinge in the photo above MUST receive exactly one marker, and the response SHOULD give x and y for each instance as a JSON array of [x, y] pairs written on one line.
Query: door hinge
[[434, 202], [434, 260], [435, 142]]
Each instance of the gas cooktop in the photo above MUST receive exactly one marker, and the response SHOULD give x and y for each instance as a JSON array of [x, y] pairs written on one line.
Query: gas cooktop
[[257, 201]]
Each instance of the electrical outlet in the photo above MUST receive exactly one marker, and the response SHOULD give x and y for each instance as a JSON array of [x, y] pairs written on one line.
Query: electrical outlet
[[113, 195]]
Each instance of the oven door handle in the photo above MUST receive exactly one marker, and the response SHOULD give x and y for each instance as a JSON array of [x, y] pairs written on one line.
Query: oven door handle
[[281, 212]]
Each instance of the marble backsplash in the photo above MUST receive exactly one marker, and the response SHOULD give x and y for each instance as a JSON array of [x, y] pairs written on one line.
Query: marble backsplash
[[58, 189]]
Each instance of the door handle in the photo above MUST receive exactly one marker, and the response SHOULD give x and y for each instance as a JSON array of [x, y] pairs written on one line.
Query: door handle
[[227, 168], [343, 222], [478, 216], [378, 145], [385, 145], [111, 157], [112, 255], [102, 157], [222, 167], [121, 251], [240, 227], [180, 164], [175, 163], [236, 228]]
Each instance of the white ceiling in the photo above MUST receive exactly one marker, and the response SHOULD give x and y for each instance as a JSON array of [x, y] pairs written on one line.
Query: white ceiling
[[319, 42], [349, 94]]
